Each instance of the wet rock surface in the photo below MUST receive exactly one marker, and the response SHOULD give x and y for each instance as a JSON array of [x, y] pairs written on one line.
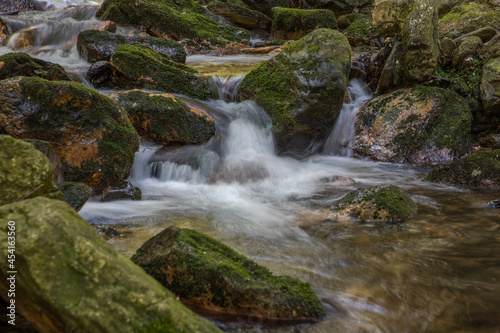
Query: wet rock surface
[[75, 194], [22, 64]]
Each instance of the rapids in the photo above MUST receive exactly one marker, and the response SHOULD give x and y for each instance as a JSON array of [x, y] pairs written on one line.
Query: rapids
[[438, 272]]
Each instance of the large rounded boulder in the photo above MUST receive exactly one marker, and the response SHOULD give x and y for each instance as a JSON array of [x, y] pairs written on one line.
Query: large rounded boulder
[[22, 64], [165, 119], [469, 16], [24, 172], [69, 278], [421, 125], [90, 133], [206, 273], [292, 23], [490, 87], [302, 89]]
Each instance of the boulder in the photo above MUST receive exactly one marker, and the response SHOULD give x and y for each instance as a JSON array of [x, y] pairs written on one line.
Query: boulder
[[479, 170], [361, 31], [466, 51], [490, 87], [46, 148], [68, 277], [21, 39], [206, 273], [341, 7], [91, 134], [467, 17], [389, 16], [266, 6], [15, 6], [485, 34], [24, 172], [139, 66], [121, 190], [175, 19], [243, 17], [96, 45], [302, 89], [420, 46], [383, 203], [491, 49], [346, 20], [99, 73], [421, 125], [445, 6], [75, 194], [165, 119], [291, 23], [22, 64], [109, 26], [447, 46], [391, 76]]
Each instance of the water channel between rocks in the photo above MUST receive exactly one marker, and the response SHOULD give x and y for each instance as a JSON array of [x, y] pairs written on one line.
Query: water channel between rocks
[[439, 271]]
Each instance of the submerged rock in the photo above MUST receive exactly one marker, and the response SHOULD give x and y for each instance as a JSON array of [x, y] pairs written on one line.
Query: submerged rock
[[302, 89], [96, 45], [479, 170], [384, 203], [490, 87], [291, 23], [75, 194], [22, 64], [204, 272], [467, 17], [91, 134], [138, 66], [165, 119], [69, 276], [244, 17], [24, 172], [421, 125]]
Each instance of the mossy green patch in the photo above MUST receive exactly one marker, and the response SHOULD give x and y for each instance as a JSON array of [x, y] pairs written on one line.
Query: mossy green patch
[[205, 272], [467, 17], [291, 23], [22, 64], [362, 27]]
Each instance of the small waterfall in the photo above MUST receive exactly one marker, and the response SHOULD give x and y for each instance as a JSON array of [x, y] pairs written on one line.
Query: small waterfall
[[340, 139], [226, 88]]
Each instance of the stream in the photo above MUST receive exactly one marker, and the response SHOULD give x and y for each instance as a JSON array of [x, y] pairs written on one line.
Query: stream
[[438, 272]]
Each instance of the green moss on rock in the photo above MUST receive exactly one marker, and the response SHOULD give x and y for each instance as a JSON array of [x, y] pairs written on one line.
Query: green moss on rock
[[138, 66], [362, 27], [22, 64], [24, 172], [467, 17], [75, 194], [490, 87], [207, 273], [385, 203], [479, 170], [67, 274], [291, 23]]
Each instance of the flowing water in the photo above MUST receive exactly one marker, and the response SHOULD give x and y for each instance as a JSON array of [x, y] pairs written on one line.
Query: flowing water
[[438, 272]]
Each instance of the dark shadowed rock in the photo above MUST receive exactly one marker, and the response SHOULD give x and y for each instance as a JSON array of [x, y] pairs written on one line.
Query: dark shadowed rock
[[75, 194], [121, 190], [204, 272], [291, 23], [466, 51], [99, 73], [244, 17], [46, 148]]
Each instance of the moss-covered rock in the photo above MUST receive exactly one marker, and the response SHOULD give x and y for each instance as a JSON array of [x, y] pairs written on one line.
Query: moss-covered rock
[[91, 134], [421, 125], [491, 49], [166, 119], [360, 31], [22, 64], [479, 170], [302, 89], [467, 17], [384, 203], [207, 273], [266, 6], [175, 19], [46, 148], [243, 17], [75, 194], [420, 42], [467, 49], [291, 23], [138, 66], [24, 172], [90, 286], [342, 7], [346, 20], [490, 87], [389, 15], [96, 45]]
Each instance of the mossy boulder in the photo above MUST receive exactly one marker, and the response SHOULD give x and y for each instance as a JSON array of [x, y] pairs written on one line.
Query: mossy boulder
[[96, 45], [469, 16], [22, 64], [46, 148], [346, 20], [360, 31], [243, 17], [90, 133], [479, 170], [24, 172], [139, 66], [421, 125], [291, 23], [466, 50], [174, 19], [420, 42], [204, 272], [302, 89], [166, 119], [75, 194], [69, 276], [389, 15], [384, 203], [491, 49], [490, 87], [342, 7]]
